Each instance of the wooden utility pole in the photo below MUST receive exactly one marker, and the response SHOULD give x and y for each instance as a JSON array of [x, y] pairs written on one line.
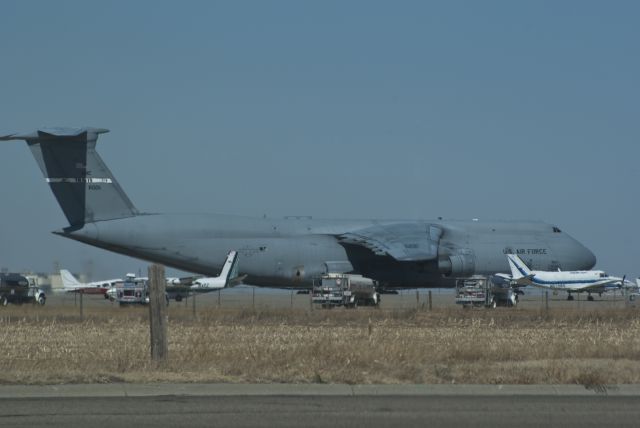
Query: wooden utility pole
[[193, 304], [158, 318], [81, 311], [546, 300]]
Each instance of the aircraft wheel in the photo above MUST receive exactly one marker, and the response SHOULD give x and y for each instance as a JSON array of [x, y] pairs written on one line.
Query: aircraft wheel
[[569, 297], [4, 301], [590, 298], [493, 304], [41, 300], [178, 298]]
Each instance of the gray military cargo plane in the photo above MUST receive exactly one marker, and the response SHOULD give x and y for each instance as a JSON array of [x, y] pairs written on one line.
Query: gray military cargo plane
[[286, 252]]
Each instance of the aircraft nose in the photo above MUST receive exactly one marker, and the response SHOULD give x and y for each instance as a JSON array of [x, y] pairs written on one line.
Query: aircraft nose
[[584, 257], [578, 257], [590, 258]]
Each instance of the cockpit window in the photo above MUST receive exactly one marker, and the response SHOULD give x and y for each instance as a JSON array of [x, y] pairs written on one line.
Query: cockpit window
[[556, 229]]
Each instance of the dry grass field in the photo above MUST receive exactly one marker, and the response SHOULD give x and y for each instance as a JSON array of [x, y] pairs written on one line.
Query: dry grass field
[[51, 345]]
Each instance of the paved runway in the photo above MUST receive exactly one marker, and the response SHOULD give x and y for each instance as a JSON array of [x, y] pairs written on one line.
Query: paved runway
[[254, 297], [318, 406]]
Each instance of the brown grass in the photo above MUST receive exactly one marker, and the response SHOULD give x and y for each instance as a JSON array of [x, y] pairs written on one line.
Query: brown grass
[[337, 346]]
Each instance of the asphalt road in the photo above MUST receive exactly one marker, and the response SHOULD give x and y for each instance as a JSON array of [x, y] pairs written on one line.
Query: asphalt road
[[244, 406], [321, 411]]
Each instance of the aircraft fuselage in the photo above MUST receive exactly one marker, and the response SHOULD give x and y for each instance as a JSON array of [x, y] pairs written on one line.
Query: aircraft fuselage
[[291, 252]]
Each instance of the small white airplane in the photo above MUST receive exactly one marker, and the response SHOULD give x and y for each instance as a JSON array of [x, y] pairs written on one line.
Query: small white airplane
[[576, 281], [71, 284]]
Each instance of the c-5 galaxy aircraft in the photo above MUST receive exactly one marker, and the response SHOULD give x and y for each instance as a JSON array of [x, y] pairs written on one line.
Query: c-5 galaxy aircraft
[[286, 252]]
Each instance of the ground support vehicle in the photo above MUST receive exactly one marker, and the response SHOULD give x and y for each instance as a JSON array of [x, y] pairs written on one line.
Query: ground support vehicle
[[632, 299], [479, 290], [16, 288], [132, 291], [333, 289]]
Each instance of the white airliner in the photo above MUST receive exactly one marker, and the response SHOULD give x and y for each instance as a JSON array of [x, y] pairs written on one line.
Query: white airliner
[[575, 281], [71, 284]]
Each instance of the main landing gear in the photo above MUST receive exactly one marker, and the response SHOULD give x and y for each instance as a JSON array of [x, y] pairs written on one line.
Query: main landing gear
[[589, 297]]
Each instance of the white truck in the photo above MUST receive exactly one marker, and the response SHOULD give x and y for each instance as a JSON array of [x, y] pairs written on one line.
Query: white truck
[[132, 291], [350, 291], [479, 290]]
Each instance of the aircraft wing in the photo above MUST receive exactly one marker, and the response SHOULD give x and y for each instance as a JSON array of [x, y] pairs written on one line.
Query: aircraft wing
[[596, 287], [183, 280], [404, 242], [525, 280], [605, 285]]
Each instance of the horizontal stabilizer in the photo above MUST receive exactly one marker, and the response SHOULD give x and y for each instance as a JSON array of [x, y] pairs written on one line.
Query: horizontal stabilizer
[[52, 133]]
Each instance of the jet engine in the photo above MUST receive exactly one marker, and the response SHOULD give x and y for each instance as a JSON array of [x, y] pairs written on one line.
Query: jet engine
[[457, 265]]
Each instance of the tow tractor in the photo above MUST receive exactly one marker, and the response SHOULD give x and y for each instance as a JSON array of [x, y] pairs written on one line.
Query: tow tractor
[[337, 289], [479, 290]]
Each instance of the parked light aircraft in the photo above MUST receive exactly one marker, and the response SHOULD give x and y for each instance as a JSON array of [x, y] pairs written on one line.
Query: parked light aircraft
[[228, 278], [590, 281], [179, 288], [288, 252], [71, 284]]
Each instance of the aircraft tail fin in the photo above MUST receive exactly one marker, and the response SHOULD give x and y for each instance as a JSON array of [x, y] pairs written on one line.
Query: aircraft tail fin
[[518, 268], [227, 278], [230, 268], [68, 280], [79, 179]]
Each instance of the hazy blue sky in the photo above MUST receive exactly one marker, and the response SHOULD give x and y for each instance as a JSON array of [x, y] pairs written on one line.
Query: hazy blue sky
[[494, 110]]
